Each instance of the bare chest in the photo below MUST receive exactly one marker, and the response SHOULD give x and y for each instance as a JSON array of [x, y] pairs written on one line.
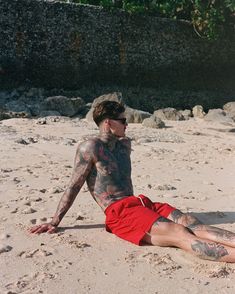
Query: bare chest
[[113, 162]]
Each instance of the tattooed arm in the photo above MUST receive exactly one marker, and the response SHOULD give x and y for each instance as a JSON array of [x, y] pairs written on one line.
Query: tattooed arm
[[83, 163]]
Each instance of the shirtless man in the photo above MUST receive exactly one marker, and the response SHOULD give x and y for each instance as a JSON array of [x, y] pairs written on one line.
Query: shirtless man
[[104, 163]]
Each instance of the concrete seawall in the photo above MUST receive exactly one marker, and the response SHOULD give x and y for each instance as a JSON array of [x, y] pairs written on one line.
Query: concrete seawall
[[68, 45]]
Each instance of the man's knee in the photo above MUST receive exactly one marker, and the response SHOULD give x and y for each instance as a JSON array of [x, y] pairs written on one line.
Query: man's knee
[[193, 223], [166, 234], [164, 226], [189, 221]]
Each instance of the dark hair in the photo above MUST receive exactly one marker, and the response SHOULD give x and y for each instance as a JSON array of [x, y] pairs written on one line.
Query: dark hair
[[107, 109]]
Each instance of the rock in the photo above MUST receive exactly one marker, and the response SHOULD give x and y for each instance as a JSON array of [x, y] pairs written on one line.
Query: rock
[[65, 106], [18, 109], [187, 113], [49, 113], [198, 111], [218, 115], [4, 236], [5, 248], [22, 141], [41, 121], [28, 210], [35, 92], [115, 96], [26, 141], [55, 190], [230, 109], [4, 95], [136, 116], [4, 115], [168, 114], [153, 122], [34, 108]]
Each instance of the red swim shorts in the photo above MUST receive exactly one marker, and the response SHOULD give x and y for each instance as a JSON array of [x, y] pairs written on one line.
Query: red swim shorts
[[131, 217]]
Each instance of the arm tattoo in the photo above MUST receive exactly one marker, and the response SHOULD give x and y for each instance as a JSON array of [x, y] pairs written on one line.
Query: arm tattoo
[[212, 251], [82, 166]]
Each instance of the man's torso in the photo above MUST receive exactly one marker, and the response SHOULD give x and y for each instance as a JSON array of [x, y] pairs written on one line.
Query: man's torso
[[110, 177]]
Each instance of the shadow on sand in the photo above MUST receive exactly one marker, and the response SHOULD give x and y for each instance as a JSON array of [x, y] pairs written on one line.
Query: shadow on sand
[[81, 227], [208, 218], [215, 217]]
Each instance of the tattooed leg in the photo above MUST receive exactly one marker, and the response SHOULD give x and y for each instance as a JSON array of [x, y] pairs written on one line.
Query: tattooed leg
[[215, 234], [185, 219], [207, 250], [201, 230], [167, 233]]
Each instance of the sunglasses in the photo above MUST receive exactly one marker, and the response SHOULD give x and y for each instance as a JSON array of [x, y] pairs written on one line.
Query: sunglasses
[[122, 120]]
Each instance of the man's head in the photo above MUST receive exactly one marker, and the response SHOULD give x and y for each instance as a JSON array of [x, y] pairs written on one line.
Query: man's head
[[111, 115]]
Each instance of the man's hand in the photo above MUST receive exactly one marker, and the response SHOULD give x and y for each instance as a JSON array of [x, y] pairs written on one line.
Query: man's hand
[[43, 228]]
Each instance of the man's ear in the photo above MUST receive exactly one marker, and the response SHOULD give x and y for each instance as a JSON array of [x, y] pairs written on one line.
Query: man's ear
[[107, 122]]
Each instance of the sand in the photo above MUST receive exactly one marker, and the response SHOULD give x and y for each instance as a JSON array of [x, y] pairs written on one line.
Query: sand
[[189, 164]]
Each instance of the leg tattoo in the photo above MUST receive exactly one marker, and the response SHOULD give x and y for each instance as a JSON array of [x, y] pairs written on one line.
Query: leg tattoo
[[220, 234], [162, 219], [212, 251], [176, 215], [185, 219]]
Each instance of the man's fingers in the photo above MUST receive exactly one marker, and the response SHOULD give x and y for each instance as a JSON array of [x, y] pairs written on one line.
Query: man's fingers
[[33, 229], [42, 229], [52, 230]]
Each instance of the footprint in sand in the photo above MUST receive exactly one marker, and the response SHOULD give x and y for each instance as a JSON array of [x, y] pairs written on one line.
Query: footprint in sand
[[28, 210], [4, 236], [34, 253], [163, 263], [72, 243], [218, 271], [30, 283], [15, 210], [5, 248], [35, 221]]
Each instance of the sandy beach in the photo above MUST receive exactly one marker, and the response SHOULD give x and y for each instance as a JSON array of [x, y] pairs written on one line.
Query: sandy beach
[[189, 164]]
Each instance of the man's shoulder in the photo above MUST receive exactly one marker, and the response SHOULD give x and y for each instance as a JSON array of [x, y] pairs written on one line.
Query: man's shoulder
[[126, 141], [90, 144]]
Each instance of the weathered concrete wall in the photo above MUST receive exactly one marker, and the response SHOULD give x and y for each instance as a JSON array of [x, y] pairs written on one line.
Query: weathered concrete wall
[[66, 45]]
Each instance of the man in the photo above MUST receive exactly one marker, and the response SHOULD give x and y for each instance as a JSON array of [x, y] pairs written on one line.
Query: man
[[104, 163]]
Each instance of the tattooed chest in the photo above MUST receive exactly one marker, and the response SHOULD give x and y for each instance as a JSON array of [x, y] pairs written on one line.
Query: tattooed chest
[[115, 164]]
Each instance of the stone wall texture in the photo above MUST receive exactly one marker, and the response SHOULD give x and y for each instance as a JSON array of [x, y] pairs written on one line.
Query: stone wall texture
[[65, 45]]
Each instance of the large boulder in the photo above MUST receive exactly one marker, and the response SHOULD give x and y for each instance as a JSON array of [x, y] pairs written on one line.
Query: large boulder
[[218, 115], [198, 111], [135, 115], [230, 109], [153, 122], [115, 96], [17, 108], [45, 113], [168, 114], [65, 106], [4, 115], [187, 113]]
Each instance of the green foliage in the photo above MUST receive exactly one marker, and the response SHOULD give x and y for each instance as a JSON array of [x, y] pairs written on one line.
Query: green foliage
[[208, 17]]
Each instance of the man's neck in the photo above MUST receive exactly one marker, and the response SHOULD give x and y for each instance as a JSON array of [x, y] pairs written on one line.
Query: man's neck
[[108, 138]]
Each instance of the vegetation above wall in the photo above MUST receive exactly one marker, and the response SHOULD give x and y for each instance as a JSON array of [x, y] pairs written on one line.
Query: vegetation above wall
[[209, 18]]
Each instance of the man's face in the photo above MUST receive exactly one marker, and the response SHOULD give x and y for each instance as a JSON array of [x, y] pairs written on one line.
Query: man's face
[[118, 125]]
